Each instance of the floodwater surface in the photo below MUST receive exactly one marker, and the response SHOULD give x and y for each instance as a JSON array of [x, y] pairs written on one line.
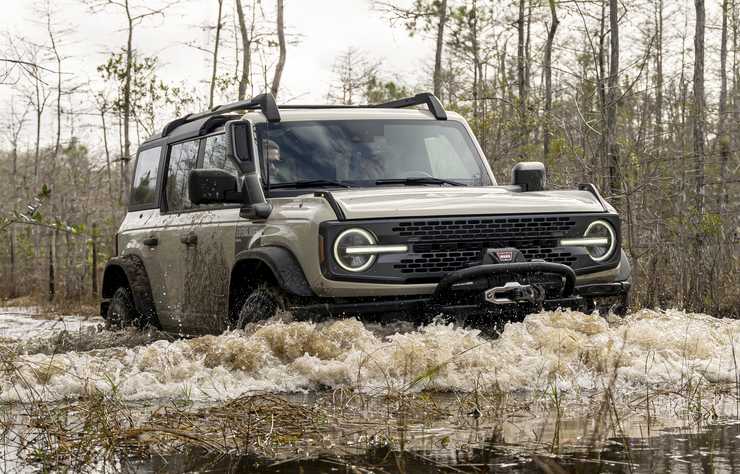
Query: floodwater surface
[[559, 391]]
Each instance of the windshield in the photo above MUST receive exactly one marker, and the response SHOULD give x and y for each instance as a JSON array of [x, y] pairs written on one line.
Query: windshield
[[369, 153]]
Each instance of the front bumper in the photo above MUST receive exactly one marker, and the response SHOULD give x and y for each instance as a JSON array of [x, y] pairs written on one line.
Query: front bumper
[[464, 292]]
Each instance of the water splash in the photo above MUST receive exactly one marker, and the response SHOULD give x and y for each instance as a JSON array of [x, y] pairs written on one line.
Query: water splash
[[568, 350]]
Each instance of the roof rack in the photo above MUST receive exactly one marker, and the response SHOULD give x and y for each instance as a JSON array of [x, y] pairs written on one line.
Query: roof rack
[[266, 104], [426, 98], [263, 102], [434, 105]]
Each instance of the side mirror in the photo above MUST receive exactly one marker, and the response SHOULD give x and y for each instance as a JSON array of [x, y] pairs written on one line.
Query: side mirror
[[529, 175], [209, 186]]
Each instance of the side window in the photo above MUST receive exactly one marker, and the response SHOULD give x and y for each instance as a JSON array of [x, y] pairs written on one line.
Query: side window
[[214, 155], [144, 191], [183, 158]]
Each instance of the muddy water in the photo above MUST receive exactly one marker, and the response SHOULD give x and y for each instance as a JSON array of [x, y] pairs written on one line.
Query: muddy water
[[592, 391]]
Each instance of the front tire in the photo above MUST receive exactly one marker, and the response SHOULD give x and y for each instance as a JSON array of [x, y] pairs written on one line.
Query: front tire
[[261, 304], [122, 310]]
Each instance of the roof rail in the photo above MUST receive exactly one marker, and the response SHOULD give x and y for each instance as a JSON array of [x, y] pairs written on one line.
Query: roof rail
[[434, 105], [263, 102]]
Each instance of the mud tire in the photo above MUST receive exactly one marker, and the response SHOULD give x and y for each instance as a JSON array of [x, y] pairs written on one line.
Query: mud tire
[[260, 305], [122, 310]]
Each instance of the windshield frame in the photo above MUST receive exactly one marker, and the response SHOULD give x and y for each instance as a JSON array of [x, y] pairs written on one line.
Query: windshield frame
[[262, 129]]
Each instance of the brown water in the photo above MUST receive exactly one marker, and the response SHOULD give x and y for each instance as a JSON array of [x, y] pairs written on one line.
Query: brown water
[[655, 391], [713, 450]]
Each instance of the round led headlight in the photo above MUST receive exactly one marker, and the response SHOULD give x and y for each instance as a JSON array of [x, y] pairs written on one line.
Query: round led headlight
[[603, 233], [354, 261]]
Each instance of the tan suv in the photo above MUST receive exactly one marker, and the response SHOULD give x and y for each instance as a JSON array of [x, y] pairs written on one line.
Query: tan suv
[[386, 210]]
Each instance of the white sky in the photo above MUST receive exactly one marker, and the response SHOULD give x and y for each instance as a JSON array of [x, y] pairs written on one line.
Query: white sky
[[323, 29]]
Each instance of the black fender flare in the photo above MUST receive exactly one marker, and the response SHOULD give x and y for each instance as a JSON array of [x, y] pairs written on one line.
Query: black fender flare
[[284, 266], [130, 267]]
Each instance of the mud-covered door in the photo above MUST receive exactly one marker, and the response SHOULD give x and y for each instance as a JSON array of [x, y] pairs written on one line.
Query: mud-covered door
[[197, 242], [178, 219], [210, 255]]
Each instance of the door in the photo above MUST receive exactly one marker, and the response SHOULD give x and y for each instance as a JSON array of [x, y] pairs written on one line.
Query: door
[[177, 221], [196, 242], [208, 263], [138, 234]]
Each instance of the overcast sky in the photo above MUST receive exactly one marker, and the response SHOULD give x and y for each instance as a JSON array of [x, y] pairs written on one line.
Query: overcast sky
[[322, 29]]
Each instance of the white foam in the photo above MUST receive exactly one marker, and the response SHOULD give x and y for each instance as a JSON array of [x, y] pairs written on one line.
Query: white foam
[[570, 350], [23, 323]]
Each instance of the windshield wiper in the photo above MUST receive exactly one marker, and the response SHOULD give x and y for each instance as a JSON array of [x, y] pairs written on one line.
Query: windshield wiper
[[419, 180], [309, 183]]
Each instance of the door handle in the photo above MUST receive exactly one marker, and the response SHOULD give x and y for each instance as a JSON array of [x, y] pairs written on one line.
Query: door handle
[[151, 241], [189, 239]]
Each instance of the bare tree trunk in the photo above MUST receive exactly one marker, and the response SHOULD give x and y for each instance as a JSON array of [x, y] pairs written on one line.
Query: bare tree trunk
[[602, 87], [724, 139], [52, 261], [127, 105], [698, 288], [612, 98], [246, 51], [58, 59], [214, 69], [94, 260], [107, 151], [477, 68], [554, 22], [281, 43], [735, 80], [654, 282], [658, 132], [39, 106], [437, 79], [520, 70], [699, 104], [13, 270]]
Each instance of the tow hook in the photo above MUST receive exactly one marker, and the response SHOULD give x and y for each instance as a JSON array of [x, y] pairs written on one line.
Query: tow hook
[[514, 292]]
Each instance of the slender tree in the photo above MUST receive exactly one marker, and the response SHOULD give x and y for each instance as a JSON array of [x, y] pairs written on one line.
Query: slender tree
[[217, 42], [246, 45], [723, 136], [551, 31], [699, 116], [281, 47], [612, 98], [521, 69]]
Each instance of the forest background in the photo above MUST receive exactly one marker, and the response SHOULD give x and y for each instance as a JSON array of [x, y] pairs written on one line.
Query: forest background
[[640, 97]]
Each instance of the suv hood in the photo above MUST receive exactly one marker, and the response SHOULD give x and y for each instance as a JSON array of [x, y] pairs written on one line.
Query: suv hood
[[419, 201]]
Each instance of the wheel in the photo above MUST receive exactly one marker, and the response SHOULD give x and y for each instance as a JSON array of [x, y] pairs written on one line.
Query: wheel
[[122, 311], [261, 304]]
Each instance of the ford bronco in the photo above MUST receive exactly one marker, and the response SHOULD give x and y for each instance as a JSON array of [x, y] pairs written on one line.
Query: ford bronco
[[381, 210]]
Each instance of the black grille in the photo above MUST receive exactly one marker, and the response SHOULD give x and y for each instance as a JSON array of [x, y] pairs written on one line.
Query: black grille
[[516, 227], [451, 256], [446, 245]]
